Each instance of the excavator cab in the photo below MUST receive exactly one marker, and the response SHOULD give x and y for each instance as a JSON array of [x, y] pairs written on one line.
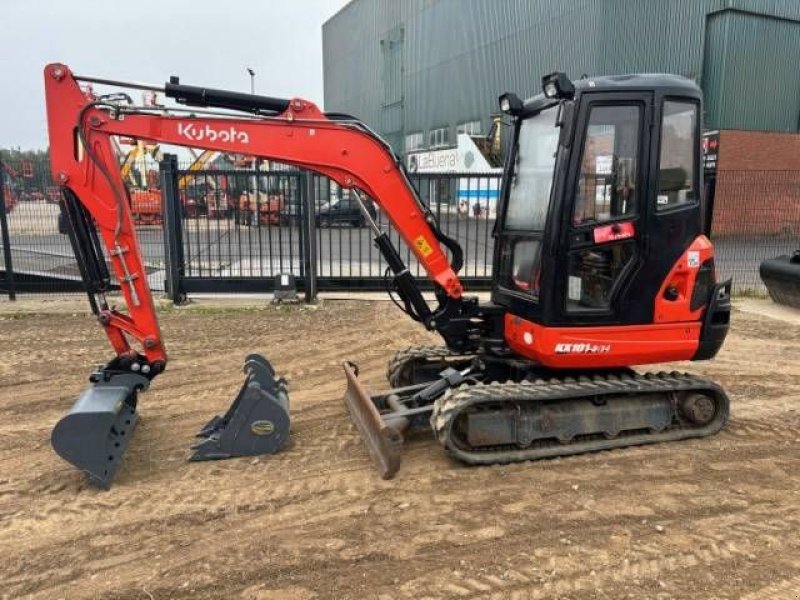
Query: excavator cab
[[602, 219], [600, 264]]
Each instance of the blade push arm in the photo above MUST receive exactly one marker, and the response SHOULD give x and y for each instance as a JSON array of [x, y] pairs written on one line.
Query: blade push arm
[[294, 131]]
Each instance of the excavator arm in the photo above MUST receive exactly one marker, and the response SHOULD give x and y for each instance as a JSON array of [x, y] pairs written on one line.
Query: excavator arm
[[82, 127], [293, 131]]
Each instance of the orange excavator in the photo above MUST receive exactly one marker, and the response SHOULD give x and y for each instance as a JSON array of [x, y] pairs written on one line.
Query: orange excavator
[[600, 264]]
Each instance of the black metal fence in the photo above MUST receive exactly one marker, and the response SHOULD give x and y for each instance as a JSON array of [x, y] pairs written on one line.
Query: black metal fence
[[233, 230], [241, 228]]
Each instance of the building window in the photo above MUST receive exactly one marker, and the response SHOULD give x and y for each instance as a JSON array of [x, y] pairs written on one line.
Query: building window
[[470, 128], [414, 141], [439, 137]]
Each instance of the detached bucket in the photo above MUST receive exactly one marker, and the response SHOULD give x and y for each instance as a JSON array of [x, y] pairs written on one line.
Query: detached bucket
[[256, 423], [781, 275], [96, 431]]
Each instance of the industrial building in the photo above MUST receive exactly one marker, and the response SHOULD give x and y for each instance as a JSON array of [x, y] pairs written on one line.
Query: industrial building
[[422, 71]]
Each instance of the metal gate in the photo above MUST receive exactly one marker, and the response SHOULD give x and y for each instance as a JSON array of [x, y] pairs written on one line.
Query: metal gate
[[235, 230]]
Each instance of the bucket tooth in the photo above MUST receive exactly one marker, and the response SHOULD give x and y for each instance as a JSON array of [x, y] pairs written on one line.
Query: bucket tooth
[[384, 442], [257, 421], [95, 433]]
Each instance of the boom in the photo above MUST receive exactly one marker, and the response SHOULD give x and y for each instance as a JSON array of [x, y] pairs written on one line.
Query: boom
[[293, 131]]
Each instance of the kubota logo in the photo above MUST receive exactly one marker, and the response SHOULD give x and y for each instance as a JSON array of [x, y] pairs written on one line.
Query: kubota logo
[[212, 134]]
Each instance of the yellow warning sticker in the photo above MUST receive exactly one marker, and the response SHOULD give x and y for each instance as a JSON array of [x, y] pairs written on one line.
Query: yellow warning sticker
[[423, 246]]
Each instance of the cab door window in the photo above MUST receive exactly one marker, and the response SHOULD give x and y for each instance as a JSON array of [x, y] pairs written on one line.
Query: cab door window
[[607, 185], [602, 236]]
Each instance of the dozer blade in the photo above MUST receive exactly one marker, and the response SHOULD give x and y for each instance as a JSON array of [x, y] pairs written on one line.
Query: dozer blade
[[781, 275], [96, 431], [384, 442], [257, 421]]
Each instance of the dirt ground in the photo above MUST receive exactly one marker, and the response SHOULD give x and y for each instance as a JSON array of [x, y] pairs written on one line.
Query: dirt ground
[[714, 518]]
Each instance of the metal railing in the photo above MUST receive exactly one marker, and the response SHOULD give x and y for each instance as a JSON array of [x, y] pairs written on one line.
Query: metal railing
[[233, 230]]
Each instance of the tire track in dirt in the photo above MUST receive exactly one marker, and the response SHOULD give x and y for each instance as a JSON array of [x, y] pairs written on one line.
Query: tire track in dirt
[[553, 575], [316, 519], [788, 589]]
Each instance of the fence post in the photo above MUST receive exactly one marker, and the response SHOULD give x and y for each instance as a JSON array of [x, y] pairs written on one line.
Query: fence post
[[309, 230], [173, 228], [12, 292]]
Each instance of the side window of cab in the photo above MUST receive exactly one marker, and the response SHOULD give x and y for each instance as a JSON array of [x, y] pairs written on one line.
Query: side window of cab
[[676, 176]]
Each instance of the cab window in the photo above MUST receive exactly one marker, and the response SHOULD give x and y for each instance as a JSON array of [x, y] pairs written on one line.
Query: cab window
[[607, 185], [677, 156], [532, 179]]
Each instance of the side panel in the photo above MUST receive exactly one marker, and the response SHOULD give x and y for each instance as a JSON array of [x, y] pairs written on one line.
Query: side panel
[[675, 298], [601, 347]]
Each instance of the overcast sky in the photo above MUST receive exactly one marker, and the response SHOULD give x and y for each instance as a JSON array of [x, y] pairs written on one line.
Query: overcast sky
[[204, 42]]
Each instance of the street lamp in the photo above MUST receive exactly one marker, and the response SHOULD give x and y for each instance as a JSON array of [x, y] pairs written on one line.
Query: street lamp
[[252, 80], [255, 160]]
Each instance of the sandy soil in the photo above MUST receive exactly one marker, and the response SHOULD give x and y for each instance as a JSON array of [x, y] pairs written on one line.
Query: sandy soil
[[714, 518]]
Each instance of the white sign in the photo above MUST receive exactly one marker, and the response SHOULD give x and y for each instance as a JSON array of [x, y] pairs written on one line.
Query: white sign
[[436, 161]]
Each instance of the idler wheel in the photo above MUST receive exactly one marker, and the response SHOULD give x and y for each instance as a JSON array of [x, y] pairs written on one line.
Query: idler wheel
[[698, 409]]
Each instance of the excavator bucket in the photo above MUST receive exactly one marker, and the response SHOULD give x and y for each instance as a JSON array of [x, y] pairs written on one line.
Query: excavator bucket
[[256, 423], [95, 433], [781, 275], [384, 441]]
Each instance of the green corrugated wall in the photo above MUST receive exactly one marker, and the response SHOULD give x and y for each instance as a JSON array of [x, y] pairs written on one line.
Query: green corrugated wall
[[415, 65], [752, 71]]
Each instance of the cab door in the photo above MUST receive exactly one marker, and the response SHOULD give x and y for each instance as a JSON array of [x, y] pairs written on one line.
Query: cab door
[[603, 239]]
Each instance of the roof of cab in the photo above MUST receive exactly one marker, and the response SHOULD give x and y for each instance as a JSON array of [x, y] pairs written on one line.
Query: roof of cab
[[660, 82], [637, 81]]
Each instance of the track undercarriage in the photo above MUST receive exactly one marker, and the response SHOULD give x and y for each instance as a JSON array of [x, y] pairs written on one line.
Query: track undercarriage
[[494, 410]]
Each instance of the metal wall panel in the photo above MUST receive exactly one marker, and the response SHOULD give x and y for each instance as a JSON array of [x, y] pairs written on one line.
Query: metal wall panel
[[652, 37], [752, 80], [458, 56], [783, 9]]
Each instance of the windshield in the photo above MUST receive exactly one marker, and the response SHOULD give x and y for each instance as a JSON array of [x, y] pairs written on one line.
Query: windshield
[[532, 177]]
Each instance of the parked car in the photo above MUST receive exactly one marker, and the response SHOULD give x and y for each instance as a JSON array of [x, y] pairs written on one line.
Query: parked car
[[344, 211]]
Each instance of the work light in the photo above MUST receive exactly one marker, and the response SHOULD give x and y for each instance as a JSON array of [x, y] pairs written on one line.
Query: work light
[[510, 104], [557, 85]]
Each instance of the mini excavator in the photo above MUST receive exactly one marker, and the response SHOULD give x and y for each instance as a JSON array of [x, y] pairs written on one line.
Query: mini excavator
[[600, 264]]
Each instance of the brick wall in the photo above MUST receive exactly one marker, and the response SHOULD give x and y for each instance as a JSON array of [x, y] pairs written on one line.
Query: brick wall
[[758, 184]]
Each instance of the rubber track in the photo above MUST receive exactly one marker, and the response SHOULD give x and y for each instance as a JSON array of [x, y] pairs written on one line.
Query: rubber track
[[394, 369], [448, 408]]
